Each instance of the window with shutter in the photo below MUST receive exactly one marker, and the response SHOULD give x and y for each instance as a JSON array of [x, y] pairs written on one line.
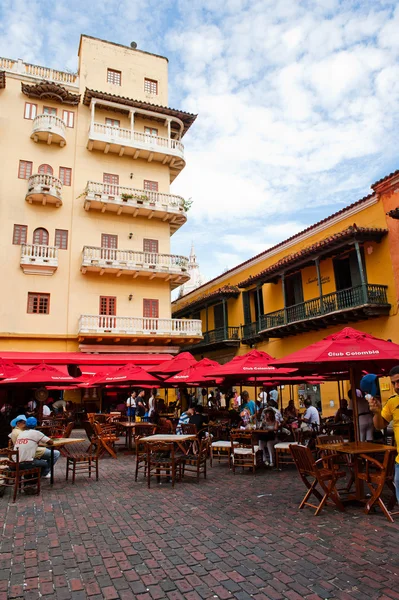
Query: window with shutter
[[68, 117], [108, 305], [151, 186], [49, 110], [40, 237], [150, 86], [112, 122], [150, 308], [151, 131], [150, 246], [38, 304], [20, 234], [114, 77], [109, 240], [61, 239], [25, 169], [65, 175], [45, 170], [111, 184], [246, 307], [30, 110]]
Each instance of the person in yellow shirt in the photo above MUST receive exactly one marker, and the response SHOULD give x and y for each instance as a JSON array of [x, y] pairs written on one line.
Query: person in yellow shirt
[[390, 412]]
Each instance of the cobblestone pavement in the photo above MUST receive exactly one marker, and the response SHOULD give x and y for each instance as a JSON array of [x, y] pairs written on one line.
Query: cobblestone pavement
[[229, 537]]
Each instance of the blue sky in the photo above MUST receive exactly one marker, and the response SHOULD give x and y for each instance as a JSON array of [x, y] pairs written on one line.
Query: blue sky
[[298, 103]]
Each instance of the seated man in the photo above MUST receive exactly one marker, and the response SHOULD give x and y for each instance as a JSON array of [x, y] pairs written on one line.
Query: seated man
[[27, 443], [198, 418], [18, 425], [183, 420], [59, 406], [311, 418]]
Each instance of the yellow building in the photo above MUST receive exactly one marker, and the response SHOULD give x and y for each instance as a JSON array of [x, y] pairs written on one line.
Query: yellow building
[[337, 272], [86, 210]]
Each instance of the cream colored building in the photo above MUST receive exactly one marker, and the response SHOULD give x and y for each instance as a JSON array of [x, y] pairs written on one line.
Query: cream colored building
[[86, 210]]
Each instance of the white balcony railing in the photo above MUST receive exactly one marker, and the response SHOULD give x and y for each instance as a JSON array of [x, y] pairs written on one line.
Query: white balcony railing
[[156, 201], [45, 189], [136, 139], [39, 259], [49, 128], [133, 259], [95, 324], [37, 72]]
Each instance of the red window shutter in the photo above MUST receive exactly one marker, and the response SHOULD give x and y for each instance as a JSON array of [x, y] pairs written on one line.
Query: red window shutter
[[45, 170], [38, 304], [111, 182], [114, 77], [49, 110], [30, 110], [108, 305], [65, 175], [150, 86], [25, 169], [150, 246], [108, 240], [61, 239], [20, 234], [68, 117], [150, 308], [40, 237], [151, 186]]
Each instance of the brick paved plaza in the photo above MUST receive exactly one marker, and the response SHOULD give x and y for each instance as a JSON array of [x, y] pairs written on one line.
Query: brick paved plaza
[[229, 537]]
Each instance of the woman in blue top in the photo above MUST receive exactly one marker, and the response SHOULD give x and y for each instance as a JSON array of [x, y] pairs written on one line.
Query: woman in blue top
[[247, 403]]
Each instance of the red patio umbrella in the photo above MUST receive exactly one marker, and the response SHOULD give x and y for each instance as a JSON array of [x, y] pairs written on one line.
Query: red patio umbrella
[[194, 375], [41, 374], [8, 369], [125, 374], [178, 363], [349, 349], [255, 363]]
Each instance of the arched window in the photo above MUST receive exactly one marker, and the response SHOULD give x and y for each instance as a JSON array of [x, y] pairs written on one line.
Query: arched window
[[40, 237], [46, 170]]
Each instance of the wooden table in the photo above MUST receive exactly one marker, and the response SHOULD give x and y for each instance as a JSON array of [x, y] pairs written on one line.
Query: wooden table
[[59, 443], [354, 449], [170, 437]]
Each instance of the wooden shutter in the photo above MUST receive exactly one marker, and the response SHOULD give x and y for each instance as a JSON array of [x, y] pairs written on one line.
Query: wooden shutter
[[45, 170], [65, 175], [150, 308], [20, 234], [109, 240], [114, 77], [108, 305], [111, 184], [150, 246], [68, 117], [150, 130], [30, 110], [61, 239], [38, 304], [49, 110], [112, 122], [150, 86], [40, 237], [247, 308], [25, 169], [151, 186]]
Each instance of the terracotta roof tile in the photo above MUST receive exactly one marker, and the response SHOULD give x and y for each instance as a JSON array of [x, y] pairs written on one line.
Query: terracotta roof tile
[[393, 174], [227, 291]]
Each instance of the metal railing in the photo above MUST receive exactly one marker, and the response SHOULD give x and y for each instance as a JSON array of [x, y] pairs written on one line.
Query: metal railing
[[221, 334], [132, 259], [139, 326], [134, 197]]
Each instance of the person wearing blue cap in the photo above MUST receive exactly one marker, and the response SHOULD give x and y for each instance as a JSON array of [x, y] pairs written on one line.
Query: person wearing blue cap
[[18, 425], [27, 444]]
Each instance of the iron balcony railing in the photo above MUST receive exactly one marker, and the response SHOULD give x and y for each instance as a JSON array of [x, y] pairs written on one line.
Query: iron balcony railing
[[328, 303], [221, 334]]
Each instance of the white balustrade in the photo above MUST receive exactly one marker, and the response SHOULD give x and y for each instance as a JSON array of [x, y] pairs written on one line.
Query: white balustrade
[[38, 72], [49, 123], [135, 197], [41, 252], [42, 184], [94, 324], [133, 259]]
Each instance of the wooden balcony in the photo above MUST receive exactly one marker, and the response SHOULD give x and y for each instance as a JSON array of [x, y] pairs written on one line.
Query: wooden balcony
[[222, 337], [49, 129], [38, 260], [169, 267], [44, 189], [127, 142], [134, 329], [340, 307], [135, 202]]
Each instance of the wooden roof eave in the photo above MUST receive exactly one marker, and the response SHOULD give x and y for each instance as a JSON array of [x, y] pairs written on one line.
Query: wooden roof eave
[[48, 90], [203, 303]]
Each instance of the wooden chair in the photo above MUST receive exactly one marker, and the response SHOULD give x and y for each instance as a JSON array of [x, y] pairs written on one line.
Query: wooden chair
[[342, 459], [162, 461], [142, 430], [79, 461], [105, 438], [282, 449], [13, 476], [376, 476], [189, 429], [195, 464], [244, 451], [315, 474]]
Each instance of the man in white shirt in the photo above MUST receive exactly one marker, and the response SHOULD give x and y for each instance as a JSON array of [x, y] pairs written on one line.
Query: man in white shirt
[[263, 397], [311, 418], [131, 406], [27, 444]]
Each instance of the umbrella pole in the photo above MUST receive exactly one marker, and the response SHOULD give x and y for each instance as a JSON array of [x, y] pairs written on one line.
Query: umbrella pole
[[354, 403]]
